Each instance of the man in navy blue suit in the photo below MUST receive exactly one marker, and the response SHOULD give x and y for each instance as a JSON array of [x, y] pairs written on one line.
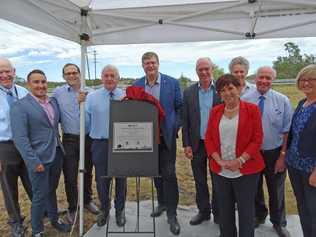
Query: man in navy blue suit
[[167, 90]]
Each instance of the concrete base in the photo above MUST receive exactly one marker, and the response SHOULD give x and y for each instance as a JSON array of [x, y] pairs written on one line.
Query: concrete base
[[206, 229]]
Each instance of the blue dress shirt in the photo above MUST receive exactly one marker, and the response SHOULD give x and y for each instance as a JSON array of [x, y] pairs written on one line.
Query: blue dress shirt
[[98, 110], [276, 117], [249, 88], [5, 125], [69, 108], [206, 103], [293, 156], [155, 89]]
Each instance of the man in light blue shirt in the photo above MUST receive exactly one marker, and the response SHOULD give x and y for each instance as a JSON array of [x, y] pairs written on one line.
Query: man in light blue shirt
[[276, 113], [198, 100], [11, 164], [97, 119], [67, 98]]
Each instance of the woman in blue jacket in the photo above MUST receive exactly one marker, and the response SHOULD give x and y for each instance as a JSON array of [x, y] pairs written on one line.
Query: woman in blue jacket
[[301, 154]]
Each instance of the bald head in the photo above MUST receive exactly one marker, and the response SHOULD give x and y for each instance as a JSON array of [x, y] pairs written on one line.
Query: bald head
[[264, 77], [7, 73]]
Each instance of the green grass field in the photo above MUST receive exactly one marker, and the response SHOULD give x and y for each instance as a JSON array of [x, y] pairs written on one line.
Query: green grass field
[[185, 180]]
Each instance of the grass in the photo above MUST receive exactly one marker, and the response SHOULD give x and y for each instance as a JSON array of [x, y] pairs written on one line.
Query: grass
[[185, 181]]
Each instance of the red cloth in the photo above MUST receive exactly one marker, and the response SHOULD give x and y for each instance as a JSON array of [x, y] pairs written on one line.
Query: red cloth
[[249, 137], [139, 93]]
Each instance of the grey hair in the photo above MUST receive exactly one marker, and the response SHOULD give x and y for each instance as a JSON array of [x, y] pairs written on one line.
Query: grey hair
[[206, 59], [274, 73], [239, 60], [113, 68]]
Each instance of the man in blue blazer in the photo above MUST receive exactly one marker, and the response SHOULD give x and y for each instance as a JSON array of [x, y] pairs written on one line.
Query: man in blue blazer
[[167, 90], [34, 121]]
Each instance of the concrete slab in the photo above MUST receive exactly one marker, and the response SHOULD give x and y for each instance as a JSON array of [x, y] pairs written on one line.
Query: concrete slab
[[206, 229]]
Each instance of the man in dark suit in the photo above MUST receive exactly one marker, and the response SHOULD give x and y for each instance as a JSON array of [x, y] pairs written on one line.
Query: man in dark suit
[[198, 100], [34, 121], [167, 90]]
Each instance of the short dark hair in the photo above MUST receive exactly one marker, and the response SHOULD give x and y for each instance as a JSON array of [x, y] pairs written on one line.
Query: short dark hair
[[226, 80], [149, 55], [35, 71], [70, 64]]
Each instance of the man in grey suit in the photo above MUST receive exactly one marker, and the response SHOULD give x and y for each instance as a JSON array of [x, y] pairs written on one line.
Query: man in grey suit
[[198, 100], [34, 121]]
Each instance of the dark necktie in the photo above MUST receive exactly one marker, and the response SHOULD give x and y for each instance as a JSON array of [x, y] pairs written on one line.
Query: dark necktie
[[111, 95], [261, 104], [10, 98]]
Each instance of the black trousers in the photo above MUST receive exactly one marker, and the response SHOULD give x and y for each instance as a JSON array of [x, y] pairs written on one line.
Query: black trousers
[[167, 184], [306, 200], [275, 185], [200, 172], [99, 150], [13, 167], [241, 191], [70, 169]]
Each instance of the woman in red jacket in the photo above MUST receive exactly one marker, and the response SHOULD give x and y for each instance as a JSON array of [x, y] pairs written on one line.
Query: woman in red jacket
[[233, 140]]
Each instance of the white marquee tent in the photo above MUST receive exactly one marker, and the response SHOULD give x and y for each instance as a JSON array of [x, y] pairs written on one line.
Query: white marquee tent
[[99, 22]]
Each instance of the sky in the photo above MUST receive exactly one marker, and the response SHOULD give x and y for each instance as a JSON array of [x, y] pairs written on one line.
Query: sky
[[29, 49]]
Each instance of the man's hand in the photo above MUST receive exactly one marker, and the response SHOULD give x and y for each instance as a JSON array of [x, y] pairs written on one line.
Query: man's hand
[[188, 152], [280, 165], [312, 178], [82, 96], [39, 168]]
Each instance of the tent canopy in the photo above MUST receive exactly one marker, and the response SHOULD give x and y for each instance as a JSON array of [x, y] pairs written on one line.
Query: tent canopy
[[148, 21]]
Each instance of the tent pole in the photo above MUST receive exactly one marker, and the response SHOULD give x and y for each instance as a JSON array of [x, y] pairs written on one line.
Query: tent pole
[[84, 39], [82, 139]]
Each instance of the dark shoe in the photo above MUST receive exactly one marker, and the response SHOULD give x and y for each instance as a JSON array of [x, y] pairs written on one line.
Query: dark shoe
[[174, 225], [158, 210], [18, 230], [216, 220], [259, 221], [71, 216], [102, 218], [92, 207], [120, 218], [281, 231], [61, 227], [199, 218]]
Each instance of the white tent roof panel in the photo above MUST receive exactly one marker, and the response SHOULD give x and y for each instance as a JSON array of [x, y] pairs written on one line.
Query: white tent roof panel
[[148, 21]]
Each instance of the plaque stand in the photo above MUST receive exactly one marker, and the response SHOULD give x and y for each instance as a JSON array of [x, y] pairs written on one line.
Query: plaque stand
[[137, 229]]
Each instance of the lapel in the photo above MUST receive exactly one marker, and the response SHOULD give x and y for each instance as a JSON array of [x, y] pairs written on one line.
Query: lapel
[[196, 102], [162, 86], [39, 108], [242, 121]]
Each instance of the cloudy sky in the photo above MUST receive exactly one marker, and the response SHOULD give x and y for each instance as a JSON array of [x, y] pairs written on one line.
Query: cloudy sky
[[29, 49]]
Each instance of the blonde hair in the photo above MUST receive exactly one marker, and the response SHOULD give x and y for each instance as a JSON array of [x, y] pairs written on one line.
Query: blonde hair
[[308, 71]]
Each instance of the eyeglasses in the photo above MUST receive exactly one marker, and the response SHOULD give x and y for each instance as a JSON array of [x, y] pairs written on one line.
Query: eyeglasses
[[309, 80], [71, 73]]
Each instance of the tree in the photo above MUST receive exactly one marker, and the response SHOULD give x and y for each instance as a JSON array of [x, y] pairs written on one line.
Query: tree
[[217, 72], [184, 82], [287, 67]]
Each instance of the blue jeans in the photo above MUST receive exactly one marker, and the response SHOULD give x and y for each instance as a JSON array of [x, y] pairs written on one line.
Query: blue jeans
[[99, 149], [44, 186]]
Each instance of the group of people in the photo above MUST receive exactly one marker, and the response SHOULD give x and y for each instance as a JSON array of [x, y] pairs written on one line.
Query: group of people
[[243, 131]]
